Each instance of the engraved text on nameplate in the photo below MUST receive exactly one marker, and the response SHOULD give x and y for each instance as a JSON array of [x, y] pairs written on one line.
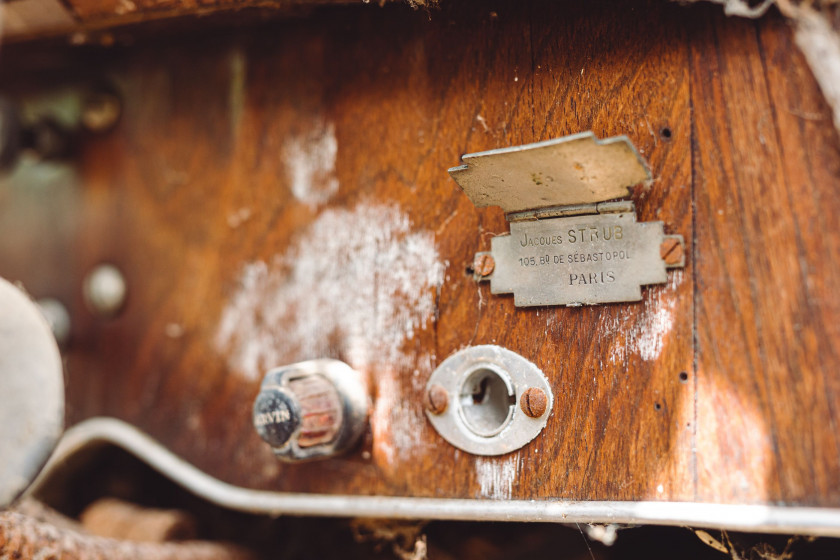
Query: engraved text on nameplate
[[579, 260]]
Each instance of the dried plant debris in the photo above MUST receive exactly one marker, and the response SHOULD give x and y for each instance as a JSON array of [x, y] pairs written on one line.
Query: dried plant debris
[[816, 32], [405, 539], [25, 537], [761, 550]]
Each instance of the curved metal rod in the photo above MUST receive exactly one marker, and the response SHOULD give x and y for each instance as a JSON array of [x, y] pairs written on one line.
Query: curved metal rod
[[751, 518]]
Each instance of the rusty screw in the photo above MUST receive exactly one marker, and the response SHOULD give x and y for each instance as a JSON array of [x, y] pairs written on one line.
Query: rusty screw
[[437, 399], [533, 402], [671, 251], [484, 264]]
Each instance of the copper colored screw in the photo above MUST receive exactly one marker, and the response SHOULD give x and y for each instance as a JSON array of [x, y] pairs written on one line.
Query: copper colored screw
[[533, 402], [671, 251], [436, 399], [484, 265]]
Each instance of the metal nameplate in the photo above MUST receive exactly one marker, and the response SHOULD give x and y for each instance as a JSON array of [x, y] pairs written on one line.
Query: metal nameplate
[[576, 169], [580, 260]]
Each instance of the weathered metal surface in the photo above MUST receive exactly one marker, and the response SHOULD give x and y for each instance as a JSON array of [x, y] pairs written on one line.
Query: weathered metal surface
[[313, 409], [754, 518], [576, 169], [32, 389], [483, 385], [580, 260]]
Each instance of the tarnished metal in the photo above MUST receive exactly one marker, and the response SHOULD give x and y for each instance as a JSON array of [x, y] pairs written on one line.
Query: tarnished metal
[[576, 169], [580, 260], [311, 410], [568, 244], [751, 518], [533, 402], [672, 251], [437, 399], [482, 385], [32, 389], [483, 264]]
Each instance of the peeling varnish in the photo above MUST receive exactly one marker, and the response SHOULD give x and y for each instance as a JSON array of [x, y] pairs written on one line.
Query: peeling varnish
[[496, 477]]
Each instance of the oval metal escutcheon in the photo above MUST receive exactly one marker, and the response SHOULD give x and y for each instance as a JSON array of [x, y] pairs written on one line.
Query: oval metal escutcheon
[[486, 390]]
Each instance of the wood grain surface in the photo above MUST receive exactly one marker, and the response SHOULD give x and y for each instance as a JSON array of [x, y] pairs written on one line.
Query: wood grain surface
[[281, 194]]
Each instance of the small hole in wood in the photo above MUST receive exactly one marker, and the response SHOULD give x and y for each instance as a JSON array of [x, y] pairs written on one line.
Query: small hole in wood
[[657, 406], [665, 133], [683, 377]]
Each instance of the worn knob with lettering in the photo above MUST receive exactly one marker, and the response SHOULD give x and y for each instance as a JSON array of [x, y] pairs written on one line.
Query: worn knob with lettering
[[311, 410]]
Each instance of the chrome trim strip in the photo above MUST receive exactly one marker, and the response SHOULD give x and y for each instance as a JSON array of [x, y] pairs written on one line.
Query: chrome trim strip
[[752, 518]]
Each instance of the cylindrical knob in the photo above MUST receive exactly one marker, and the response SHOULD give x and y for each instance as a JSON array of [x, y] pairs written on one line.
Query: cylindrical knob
[[276, 416], [311, 409]]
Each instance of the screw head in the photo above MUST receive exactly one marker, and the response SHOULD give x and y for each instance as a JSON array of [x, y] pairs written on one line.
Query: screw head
[[672, 251], [437, 399], [533, 402], [105, 290], [484, 264]]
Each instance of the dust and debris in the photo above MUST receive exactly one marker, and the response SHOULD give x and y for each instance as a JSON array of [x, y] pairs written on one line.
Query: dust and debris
[[357, 283], [310, 163], [604, 534], [814, 34], [743, 8], [496, 476], [820, 44], [709, 540], [406, 538], [762, 550]]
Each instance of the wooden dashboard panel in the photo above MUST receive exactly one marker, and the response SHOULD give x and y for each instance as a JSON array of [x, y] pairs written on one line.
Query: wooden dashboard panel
[[281, 194]]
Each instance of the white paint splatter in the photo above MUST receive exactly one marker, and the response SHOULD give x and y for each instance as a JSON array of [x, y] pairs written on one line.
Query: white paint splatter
[[397, 423], [655, 324], [645, 333], [496, 476], [236, 219], [358, 283], [310, 163]]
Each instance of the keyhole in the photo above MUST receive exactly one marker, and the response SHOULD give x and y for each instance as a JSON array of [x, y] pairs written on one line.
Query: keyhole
[[481, 393], [487, 401]]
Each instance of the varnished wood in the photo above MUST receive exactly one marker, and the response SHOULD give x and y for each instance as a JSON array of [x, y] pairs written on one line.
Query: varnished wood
[[719, 386], [767, 275]]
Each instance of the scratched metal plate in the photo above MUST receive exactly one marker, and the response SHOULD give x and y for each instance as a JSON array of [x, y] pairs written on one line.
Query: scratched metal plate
[[576, 169], [582, 260]]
